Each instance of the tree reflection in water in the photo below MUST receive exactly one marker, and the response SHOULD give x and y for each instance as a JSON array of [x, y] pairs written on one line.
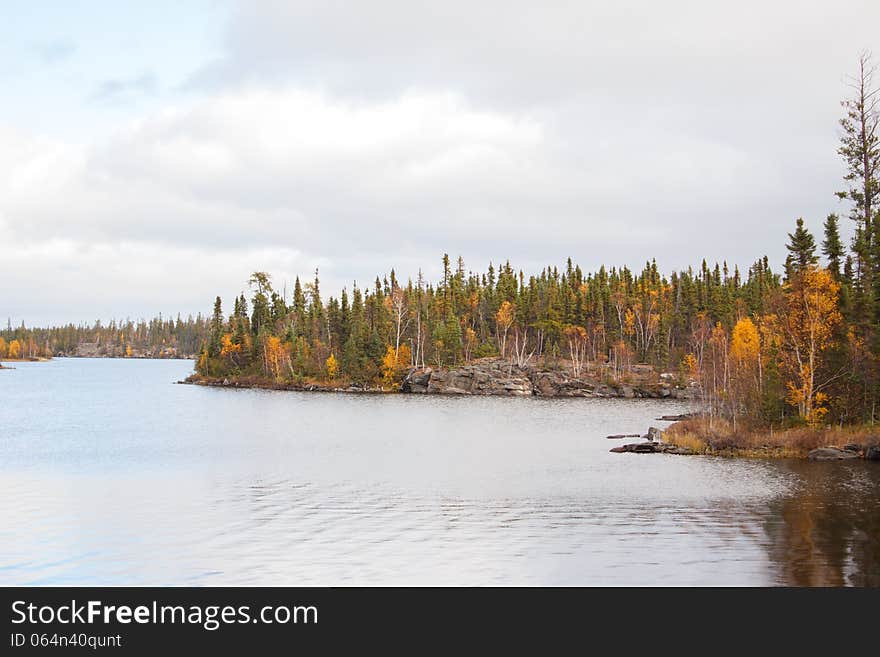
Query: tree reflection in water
[[826, 532]]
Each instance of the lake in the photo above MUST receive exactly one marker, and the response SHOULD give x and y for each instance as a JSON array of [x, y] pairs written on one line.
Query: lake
[[112, 474]]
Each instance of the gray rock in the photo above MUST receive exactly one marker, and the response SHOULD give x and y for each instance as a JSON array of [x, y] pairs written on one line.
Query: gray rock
[[495, 376], [831, 454], [637, 448], [873, 453]]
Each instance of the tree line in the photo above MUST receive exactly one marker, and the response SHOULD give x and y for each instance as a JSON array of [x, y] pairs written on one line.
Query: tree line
[[155, 338]]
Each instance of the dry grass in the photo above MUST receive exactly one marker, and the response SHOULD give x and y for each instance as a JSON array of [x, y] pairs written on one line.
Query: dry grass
[[720, 438]]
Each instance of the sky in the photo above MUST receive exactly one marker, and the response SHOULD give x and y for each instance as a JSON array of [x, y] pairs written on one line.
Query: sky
[[153, 155]]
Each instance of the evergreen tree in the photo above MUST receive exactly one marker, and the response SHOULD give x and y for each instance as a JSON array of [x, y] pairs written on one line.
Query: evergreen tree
[[802, 249], [860, 149], [832, 247], [216, 336]]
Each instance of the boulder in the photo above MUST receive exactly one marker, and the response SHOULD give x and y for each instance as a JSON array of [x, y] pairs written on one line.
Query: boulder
[[673, 449], [653, 434], [873, 453], [416, 380], [636, 448], [831, 454]]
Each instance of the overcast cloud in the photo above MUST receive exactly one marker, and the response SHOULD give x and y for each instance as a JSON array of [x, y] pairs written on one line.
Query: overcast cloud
[[151, 174]]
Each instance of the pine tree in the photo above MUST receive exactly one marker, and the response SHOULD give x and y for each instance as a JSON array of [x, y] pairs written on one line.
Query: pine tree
[[832, 247], [860, 149], [216, 329], [802, 249]]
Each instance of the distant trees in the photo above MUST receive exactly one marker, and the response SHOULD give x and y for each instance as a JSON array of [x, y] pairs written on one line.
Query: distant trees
[[158, 337]]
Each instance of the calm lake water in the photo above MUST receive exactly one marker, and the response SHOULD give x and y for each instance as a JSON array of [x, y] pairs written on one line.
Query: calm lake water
[[110, 474]]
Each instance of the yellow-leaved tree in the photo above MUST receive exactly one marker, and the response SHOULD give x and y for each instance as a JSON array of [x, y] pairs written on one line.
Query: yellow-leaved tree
[[745, 369], [803, 325], [275, 356], [394, 362], [504, 319]]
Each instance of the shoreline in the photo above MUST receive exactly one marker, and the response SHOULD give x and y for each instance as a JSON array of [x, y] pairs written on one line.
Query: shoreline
[[35, 359], [691, 436], [482, 377], [226, 382]]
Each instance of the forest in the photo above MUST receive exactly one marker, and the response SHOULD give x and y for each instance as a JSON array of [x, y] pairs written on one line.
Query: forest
[[796, 346], [155, 338]]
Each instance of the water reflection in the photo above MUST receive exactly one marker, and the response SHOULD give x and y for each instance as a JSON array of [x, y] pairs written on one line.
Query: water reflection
[[827, 532]]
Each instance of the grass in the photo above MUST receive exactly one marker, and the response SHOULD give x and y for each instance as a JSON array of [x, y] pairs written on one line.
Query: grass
[[719, 438]]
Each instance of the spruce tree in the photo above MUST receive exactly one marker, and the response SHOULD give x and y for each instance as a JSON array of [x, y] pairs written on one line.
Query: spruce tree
[[860, 149], [832, 247], [802, 249], [216, 336]]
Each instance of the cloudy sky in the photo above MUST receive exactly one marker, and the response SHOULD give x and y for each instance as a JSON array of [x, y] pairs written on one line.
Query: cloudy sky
[[153, 154]]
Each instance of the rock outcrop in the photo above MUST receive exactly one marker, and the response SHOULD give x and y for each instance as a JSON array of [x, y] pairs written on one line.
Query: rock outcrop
[[832, 454], [651, 447], [483, 378], [494, 376]]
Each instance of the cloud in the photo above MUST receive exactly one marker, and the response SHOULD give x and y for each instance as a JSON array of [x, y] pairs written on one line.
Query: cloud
[[124, 90], [359, 137], [521, 52], [57, 50]]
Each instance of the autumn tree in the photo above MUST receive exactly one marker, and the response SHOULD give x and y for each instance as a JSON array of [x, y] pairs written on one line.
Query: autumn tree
[[745, 369], [804, 323], [504, 319], [275, 356], [578, 343]]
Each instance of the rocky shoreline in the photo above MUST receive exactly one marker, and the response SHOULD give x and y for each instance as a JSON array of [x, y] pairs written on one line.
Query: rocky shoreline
[[493, 376], [486, 377], [653, 443]]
